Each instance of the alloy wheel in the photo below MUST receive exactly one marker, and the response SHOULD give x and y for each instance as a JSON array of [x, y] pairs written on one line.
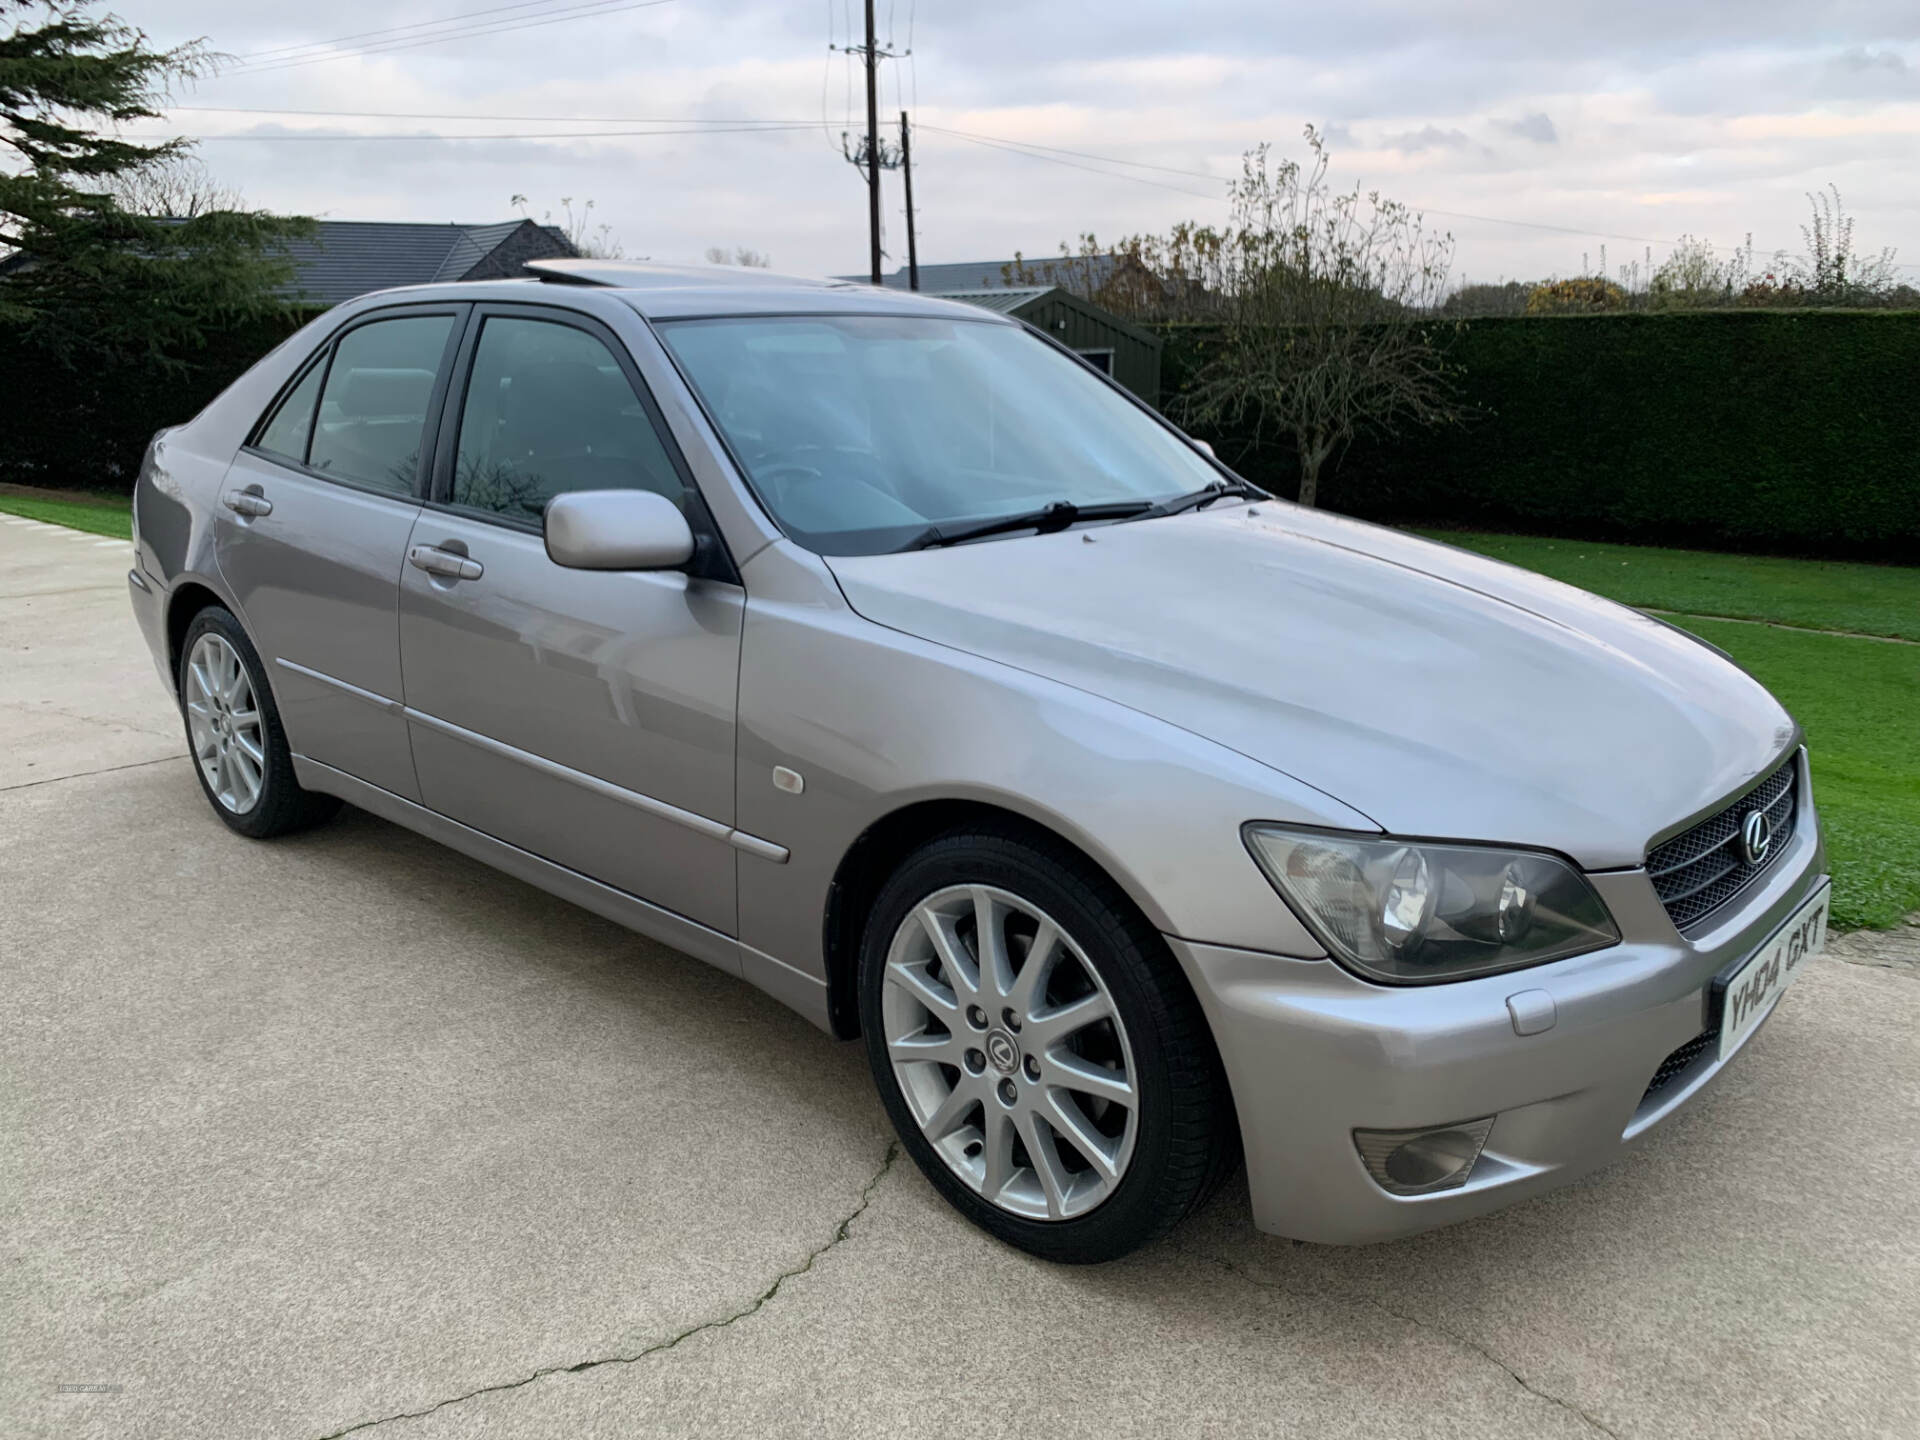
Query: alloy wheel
[[223, 722], [1010, 1053]]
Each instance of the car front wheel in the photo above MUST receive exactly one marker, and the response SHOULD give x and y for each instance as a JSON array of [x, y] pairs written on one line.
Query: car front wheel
[[1038, 1050]]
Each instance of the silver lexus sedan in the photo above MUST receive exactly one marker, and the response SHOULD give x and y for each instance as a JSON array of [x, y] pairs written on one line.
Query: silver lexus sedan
[[882, 652]]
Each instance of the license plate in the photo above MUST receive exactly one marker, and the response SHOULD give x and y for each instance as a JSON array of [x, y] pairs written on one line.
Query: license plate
[[1749, 993]]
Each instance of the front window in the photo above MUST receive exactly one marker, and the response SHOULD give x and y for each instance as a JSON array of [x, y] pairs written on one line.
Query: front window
[[548, 410], [860, 432]]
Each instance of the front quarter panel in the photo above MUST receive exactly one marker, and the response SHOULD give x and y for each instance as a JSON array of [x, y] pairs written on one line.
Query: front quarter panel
[[875, 720]]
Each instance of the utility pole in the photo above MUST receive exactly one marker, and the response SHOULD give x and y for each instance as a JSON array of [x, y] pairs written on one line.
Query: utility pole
[[906, 174], [870, 156], [872, 57]]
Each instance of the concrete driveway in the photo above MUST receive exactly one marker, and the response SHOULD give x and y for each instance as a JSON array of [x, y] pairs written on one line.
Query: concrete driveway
[[346, 1134]]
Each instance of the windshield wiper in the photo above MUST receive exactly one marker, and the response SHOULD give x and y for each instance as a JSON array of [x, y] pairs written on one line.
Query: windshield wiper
[[1044, 521], [1205, 495]]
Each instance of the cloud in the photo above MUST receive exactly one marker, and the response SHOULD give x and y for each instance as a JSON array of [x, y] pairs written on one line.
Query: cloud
[[1635, 116], [1537, 127], [1859, 60], [1427, 137]]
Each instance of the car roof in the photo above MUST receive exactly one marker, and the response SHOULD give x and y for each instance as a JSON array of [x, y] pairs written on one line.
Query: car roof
[[673, 292]]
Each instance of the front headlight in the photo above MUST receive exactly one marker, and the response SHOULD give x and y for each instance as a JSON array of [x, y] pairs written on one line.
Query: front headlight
[[1410, 913]]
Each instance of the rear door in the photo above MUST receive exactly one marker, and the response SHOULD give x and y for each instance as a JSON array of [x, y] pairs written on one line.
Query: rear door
[[311, 534], [586, 716]]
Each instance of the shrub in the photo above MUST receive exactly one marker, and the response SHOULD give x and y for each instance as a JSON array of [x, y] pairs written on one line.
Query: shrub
[[86, 427], [1795, 432], [1582, 295]]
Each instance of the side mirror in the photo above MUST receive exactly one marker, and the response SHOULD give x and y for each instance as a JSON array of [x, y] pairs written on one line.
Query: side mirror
[[1203, 447], [617, 530]]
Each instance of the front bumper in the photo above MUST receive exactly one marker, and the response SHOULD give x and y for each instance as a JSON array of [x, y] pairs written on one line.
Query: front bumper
[[1314, 1053]]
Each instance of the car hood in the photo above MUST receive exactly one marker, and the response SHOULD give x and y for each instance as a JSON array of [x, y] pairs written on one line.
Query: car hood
[[1439, 693]]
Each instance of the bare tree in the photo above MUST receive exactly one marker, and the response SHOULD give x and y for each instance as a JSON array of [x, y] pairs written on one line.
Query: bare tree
[[1694, 276], [177, 187], [1326, 303], [1473, 301], [740, 255], [596, 242], [1144, 277], [1832, 272]]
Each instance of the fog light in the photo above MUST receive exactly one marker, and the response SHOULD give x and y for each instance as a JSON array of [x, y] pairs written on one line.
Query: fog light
[[1418, 1162]]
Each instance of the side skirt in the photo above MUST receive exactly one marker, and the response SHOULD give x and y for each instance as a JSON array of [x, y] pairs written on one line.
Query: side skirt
[[792, 988]]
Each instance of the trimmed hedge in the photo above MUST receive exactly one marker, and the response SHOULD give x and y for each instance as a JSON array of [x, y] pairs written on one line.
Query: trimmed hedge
[[1796, 432], [1792, 432], [87, 429]]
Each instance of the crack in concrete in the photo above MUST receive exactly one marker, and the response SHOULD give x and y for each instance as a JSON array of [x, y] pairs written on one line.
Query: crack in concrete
[[83, 774], [80, 717], [1895, 949], [1464, 1341], [103, 589], [752, 1307]]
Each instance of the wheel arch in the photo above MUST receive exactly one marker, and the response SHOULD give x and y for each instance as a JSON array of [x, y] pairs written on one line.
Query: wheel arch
[[187, 599], [875, 855]]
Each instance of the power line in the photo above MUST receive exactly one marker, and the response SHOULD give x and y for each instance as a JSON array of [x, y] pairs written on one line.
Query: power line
[[468, 115], [593, 9], [452, 28], [1014, 148], [282, 51], [1041, 152], [755, 129], [1032, 149], [751, 125], [1082, 154]]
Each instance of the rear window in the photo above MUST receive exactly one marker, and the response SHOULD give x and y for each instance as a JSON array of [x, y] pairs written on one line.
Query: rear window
[[374, 408], [286, 433]]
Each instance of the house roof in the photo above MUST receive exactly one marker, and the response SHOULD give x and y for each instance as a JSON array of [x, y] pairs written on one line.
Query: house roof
[[1080, 272], [1004, 301], [345, 258], [1072, 272], [1019, 300], [649, 275]]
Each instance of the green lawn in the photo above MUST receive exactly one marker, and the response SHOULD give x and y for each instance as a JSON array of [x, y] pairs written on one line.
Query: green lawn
[[105, 516], [1858, 700], [1823, 594]]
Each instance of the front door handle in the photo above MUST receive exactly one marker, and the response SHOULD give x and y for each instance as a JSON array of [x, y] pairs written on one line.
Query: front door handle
[[247, 502], [444, 563]]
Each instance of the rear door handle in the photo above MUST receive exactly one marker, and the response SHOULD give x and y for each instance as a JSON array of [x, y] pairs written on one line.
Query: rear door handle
[[247, 502], [444, 563]]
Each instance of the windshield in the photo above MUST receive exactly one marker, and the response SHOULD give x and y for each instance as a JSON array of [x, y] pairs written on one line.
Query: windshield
[[859, 432]]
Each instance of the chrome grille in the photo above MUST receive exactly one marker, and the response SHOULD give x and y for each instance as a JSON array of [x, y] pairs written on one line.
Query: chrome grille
[[1699, 870]]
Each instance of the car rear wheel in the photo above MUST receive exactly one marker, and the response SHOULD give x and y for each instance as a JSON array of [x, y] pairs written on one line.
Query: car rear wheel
[[233, 730], [1038, 1050]]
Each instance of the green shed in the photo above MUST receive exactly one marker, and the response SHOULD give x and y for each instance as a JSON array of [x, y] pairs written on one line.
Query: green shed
[[1126, 352]]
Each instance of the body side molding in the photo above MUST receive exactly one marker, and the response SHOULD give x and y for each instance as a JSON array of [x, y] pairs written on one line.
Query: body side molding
[[700, 824]]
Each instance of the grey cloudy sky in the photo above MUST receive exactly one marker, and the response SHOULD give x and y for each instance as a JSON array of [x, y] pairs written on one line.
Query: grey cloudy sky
[[1630, 122]]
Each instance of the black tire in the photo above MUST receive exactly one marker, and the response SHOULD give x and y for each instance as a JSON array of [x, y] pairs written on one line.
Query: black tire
[[1187, 1139], [281, 807]]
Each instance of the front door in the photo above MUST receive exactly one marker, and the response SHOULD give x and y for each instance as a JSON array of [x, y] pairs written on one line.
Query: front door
[[311, 536], [586, 716]]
